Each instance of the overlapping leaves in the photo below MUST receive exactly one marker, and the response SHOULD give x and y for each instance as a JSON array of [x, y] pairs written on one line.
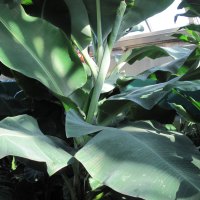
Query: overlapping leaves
[[140, 153]]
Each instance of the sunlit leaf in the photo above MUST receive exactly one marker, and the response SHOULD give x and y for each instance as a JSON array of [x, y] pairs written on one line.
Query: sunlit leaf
[[20, 136], [49, 58], [143, 163]]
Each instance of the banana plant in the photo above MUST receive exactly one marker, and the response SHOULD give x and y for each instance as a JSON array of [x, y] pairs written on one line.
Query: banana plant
[[108, 138]]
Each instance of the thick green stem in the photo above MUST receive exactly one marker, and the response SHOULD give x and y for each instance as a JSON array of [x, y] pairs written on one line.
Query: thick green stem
[[99, 34], [105, 63], [98, 85], [120, 13]]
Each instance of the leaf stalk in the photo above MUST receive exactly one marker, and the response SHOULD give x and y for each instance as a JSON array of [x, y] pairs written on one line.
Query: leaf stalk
[[105, 64]]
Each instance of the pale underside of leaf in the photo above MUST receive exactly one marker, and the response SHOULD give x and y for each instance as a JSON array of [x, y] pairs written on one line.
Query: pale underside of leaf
[[20, 136], [144, 164]]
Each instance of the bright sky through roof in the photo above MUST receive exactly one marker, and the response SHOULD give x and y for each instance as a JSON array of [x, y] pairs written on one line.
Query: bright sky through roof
[[165, 19]]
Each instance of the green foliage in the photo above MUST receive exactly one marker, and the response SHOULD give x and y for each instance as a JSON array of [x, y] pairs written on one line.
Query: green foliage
[[52, 62], [25, 139], [98, 134], [124, 160]]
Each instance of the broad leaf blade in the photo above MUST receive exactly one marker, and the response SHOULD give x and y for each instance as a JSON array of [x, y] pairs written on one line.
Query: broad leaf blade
[[21, 136], [143, 164], [44, 54]]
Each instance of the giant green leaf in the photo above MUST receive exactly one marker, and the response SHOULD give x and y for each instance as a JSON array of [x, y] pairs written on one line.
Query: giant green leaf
[[142, 163], [39, 50], [21, 136], [80, 26]]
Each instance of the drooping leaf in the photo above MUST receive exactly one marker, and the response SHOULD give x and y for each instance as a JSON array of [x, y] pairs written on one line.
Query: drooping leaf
[[35, 54], [142, 163], [80, 29], [161, 73], [147, 96], [144, 100], [20, 136]]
